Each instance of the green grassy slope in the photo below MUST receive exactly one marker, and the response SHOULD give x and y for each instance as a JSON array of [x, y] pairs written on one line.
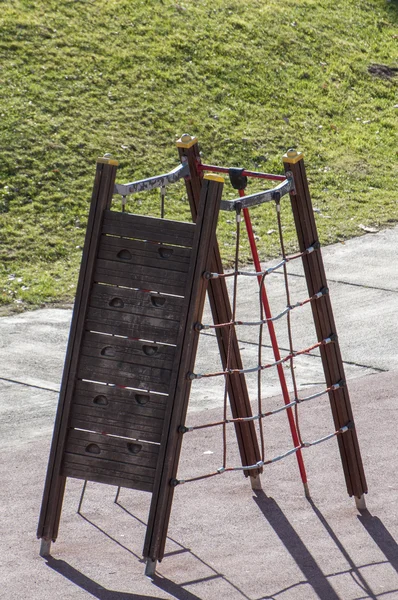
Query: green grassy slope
[[250, 79]]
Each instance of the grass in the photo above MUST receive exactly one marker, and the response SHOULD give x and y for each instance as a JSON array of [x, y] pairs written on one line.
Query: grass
[[250, 79]]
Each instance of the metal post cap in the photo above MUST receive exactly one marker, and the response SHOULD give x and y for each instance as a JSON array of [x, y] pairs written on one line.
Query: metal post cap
[[186, 141], [291, 153]]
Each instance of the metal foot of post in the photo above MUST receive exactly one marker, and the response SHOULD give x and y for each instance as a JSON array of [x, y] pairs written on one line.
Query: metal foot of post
[[150, 568], [360, 502], [256, 483], [45, 547], [307, 491]]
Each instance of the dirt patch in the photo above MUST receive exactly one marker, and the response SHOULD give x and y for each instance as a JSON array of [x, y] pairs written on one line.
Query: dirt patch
[[382, 71]]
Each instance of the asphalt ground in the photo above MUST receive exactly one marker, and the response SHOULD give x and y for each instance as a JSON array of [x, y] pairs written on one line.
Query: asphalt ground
[[225, 540]]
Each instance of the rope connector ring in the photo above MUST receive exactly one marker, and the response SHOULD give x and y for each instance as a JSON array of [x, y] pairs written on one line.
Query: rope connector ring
[[175, 482], [191, 376], [198, 326]]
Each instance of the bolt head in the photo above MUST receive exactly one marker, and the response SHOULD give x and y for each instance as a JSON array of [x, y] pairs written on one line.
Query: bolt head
[[186, 138], [291, 153]]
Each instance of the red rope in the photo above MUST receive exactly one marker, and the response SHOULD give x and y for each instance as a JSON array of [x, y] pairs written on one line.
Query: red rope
[[274, 342]]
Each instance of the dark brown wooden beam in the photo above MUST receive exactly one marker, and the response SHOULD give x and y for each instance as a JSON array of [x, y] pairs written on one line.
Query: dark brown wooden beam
[[206, 223], [222, 313], [325, 326], [55, 483]]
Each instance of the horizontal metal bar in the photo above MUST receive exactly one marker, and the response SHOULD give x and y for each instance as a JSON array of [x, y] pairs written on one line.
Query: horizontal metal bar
[[245, 172], [260, 197], [151, 183]]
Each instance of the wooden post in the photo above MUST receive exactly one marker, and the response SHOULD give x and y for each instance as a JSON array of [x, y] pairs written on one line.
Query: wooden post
[[55, 483], [222, 313], [325, 326], [166, 471]]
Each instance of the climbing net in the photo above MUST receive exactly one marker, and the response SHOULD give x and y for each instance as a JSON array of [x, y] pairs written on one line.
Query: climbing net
[[292, 399], [265, 320]]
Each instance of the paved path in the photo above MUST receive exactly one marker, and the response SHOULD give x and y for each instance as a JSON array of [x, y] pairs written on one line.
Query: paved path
[[225, 541]]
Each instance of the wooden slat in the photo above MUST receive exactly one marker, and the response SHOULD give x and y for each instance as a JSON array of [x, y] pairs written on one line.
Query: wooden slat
[[87, 391], [122, 300], [106, 476], [140, 276], [127, 374], [122, 350], [131, 325], [173, 258], [114, 464], [130, 455], [92, 419], [110, 468], [148, 228]]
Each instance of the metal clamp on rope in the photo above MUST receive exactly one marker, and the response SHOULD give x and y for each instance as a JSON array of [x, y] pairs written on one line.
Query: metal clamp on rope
[[175, 482], [183, 429], [238, 209], [331, 338], [220, 469], [350, 425], [313, 247], [276, 195], [199, 327], [192, 376], [321, 292], [338, 385], [208, 275]]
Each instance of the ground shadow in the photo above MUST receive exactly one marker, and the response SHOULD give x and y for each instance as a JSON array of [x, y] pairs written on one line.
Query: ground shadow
[[381, 536], [174, 589], [92, 587], [179, 591], [354, 569], [295, 546], [313, 574]]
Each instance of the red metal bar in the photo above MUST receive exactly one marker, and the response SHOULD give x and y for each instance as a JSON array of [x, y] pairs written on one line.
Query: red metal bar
[[274, 343], [214, 169]]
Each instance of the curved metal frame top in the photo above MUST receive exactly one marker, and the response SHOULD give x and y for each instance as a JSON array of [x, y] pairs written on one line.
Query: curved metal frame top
[[151, 183], [260, 197]]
